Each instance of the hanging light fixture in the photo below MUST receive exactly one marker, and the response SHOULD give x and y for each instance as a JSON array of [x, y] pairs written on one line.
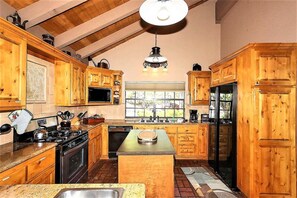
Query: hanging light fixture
[[163, 12], [155, 59]]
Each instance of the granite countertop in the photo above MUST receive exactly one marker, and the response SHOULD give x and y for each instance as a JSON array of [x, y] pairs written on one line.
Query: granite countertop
[[130, 146], [12, 154], [134, 122], [50, 190]]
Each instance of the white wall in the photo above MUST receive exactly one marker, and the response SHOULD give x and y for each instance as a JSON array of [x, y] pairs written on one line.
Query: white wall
[[198, 42], [251, 21]]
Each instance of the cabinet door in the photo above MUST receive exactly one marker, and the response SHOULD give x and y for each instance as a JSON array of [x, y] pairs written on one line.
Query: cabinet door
[[98, 147], [228, 71], [172, 138], [91, 153], [275, 143], [187, 146], [215, 75], [47, 177], [75, 84], [82, 86], [203, 142], [94, 78], [106, 79], [199, 85], [13, 71]]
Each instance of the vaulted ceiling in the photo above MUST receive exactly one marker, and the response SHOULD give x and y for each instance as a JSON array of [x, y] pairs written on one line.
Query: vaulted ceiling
[[89, 27]]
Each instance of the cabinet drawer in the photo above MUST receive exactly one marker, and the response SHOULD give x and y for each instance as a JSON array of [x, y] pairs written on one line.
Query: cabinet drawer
[[37, 164], [187, 139], [16, 175], [188, 129]]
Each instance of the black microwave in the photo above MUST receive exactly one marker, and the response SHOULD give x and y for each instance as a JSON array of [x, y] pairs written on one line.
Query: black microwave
[[99, 94]]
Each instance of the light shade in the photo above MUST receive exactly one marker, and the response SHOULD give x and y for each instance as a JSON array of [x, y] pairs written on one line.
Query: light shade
[[155, 59], [163, 12]]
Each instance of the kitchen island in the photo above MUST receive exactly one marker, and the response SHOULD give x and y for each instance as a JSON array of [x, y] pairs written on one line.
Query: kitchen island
[[151, 164]]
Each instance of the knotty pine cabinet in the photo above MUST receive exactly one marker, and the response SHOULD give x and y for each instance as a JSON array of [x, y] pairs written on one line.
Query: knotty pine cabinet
[[189, 141], [224, 73], [37, 170], [13, 50], [70, 86], [198, 87], [95, 146], [98, 77], [266, 118]]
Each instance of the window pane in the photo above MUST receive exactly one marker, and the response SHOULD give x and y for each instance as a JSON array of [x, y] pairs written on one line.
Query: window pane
[[179, 95], [169, 112], [160, 112], [148, 112], [222, 96], [160, 104], [169, 95], [179, 104], [139, 112], [179, 113], [160, 94], [149, 95], [140, 94], [149, 104], [212, 96], [130, 94], [139, 104], [130, 103], [130, 113], [229, 97]]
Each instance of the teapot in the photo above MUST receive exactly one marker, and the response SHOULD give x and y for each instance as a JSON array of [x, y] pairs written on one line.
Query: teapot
[[16, 20], [40, 133]]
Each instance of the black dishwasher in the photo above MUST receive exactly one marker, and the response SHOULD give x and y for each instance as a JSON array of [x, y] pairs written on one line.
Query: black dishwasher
[[116, 136]]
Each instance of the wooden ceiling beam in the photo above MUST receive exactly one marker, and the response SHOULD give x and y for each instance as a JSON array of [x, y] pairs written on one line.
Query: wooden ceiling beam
[[114, 38], [42, 10], [97, 23]]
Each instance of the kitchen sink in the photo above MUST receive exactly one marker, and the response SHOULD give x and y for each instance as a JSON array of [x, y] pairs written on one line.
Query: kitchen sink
[[90, 192]]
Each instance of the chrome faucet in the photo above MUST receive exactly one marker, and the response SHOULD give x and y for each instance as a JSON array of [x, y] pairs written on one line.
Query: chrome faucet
[[154, 113]]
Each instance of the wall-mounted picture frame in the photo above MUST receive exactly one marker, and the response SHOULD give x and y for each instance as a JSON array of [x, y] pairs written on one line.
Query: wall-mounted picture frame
[[36, 82]]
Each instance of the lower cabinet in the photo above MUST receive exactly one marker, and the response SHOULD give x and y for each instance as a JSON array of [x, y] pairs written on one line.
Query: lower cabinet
[[95, 146], [37, 170], [189, 141]]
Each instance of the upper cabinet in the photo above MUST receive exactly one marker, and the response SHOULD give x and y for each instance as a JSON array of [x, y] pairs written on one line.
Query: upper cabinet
[[223, 73], [13, 53], [198, 85], [117, 87], [98, 77], [69, 84]]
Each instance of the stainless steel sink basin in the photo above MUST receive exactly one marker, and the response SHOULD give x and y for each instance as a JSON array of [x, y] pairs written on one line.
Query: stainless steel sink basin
[[90, 193]]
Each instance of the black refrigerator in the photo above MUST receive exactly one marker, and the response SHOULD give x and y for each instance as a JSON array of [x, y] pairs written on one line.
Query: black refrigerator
[[222, 132]]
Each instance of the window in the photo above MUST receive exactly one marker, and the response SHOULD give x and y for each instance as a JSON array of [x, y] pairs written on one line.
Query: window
[[143, 103]]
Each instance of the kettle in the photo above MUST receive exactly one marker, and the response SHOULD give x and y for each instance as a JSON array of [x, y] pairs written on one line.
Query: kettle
[[16, 20], [103, 64], [40, 133]]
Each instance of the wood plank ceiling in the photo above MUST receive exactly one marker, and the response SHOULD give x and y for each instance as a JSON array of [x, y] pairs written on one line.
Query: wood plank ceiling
[[81, 15]]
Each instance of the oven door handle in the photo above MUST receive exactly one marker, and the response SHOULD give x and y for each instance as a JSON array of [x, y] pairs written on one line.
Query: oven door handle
[[74, 149]]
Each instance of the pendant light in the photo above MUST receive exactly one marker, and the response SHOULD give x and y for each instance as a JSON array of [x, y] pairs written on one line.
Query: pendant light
[[155, 59], [163, 12]]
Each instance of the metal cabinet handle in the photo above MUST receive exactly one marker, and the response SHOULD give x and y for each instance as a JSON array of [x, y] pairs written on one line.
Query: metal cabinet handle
[[41, 159], [5, 178]]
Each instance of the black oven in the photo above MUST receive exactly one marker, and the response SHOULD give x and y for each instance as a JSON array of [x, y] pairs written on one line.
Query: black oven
[[116, 136], [72, 165]]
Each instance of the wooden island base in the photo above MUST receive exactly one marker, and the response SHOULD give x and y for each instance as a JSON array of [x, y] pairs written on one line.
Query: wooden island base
[[155, 171]]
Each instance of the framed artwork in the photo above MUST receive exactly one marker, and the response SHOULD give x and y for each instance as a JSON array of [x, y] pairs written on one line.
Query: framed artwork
[[36, 82]]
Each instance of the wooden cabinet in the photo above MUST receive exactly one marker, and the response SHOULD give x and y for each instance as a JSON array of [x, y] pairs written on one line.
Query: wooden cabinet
[[223, 73], [69, 84], [37, 170], [198, 87], [189, 141], [104, 154], [13, 50], [95, 146], [98, 77], [266, 117]]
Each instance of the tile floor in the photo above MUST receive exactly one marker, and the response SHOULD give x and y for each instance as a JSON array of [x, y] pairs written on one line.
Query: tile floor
[[106, 171]]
